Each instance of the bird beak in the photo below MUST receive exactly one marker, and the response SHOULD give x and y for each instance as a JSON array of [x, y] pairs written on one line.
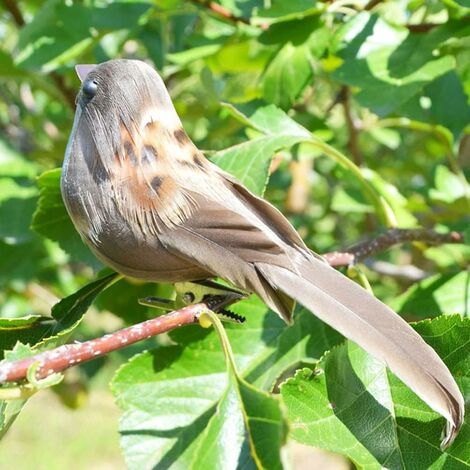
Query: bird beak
[[83, 70]]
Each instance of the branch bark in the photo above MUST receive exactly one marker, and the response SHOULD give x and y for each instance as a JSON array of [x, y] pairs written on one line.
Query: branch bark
[[69, 355], [12, 7], [385, 241], [353, 130]]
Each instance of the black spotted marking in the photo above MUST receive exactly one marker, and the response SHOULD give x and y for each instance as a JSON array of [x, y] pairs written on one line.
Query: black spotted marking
[[181, 136], [95, 166], [198, 160], [156, 183], [149, 154], [187, 163], [151, 125], [129, 149]]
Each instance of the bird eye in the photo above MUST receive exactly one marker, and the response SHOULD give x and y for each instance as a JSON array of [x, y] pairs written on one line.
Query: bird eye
[[89, 88]]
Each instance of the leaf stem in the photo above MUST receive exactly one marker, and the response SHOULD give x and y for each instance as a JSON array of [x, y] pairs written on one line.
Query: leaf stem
[[384, 210], [219, 328]]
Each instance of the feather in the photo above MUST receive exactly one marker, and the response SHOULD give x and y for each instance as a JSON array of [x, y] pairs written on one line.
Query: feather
[[359, 316], [151, 206]]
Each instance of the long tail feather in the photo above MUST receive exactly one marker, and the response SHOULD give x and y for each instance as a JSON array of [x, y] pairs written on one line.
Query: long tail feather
[[359, 316]]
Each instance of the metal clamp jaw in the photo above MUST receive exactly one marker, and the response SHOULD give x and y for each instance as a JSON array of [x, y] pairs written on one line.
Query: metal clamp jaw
[[215, 296]]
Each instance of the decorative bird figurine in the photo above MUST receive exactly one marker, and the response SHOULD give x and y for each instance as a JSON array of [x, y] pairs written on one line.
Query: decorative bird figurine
[[151, 206]]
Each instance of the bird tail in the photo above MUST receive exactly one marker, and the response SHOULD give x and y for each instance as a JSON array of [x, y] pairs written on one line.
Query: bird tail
[[359, 316]]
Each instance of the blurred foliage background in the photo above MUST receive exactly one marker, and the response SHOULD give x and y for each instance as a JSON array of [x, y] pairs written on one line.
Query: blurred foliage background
[[387, 83]]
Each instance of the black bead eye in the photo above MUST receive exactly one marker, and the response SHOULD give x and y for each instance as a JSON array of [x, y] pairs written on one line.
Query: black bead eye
[[89, 88]]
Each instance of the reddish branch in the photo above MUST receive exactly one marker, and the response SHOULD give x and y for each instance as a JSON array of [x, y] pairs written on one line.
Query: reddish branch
[[386, 240], [221, 11], [69, 355], [68, 93]]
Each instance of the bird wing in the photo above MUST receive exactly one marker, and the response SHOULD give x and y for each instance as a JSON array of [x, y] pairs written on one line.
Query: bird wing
[[257, 249]]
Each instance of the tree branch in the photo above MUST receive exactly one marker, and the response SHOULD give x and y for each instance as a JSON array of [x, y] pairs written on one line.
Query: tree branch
[[12, 7], [69, 355], [18, 17], [386, 240], [352, 128], [422, 27], [221, 11]]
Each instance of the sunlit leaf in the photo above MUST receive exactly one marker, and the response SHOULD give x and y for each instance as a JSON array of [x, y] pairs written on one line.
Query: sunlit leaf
[[52, 220], [352, 405], [442, 293]]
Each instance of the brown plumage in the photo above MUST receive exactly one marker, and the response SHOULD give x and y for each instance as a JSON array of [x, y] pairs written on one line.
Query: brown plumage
[[151, 206]]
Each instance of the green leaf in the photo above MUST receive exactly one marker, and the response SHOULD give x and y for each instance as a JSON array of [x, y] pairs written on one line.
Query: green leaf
[[448, 256], [60, 31], [8, 68], [442, 102], [346, 200], [193, 54], [394, 198], [121, 299], [442, 293], [15, 266], [70, 310], [52, 220], [352, 405], [374, 63], [10, 409], [287, 75], [281, 10], [243, 413], [14, 164], [18, 195], [30, 329], [290, 70], [417, 49], [250, 161], [171, 394], [274, 122], [17, 204], [44, 334], [448, 186]]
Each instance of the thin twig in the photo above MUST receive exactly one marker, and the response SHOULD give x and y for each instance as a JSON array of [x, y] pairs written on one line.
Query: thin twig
[[12, 7], [18, 17], [68, 93], [221, 11], [385, 241], [339, 98], [352, 128], [69, 355], [372, 4], [422, 27]]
